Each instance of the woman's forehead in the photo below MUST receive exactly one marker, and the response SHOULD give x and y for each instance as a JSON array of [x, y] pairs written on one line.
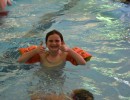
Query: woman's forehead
[[54, 36]]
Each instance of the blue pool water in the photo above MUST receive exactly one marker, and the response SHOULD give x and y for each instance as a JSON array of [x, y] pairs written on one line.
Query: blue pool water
[[101, 27]]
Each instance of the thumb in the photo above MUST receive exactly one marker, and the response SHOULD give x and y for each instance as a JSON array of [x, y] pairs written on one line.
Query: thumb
[[41, 43]]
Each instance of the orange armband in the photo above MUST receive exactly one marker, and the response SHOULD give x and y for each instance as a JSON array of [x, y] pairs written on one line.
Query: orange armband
[[80, 51], [35, 58]]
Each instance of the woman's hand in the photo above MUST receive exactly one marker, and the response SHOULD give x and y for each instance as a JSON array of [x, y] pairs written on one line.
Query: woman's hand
[[64, 48], [41, 49]]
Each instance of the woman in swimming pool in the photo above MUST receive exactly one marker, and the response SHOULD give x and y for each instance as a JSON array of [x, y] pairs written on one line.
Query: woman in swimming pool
[[57, 54]]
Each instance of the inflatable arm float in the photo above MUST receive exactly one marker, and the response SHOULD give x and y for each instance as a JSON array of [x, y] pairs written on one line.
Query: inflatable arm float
[[36, 58]]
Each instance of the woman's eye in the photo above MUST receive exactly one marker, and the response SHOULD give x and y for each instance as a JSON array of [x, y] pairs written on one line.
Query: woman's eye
[[54, 40], [50, 40], [57, 40]]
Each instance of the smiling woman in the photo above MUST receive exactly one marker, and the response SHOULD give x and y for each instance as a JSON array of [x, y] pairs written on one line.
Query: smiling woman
[[36, 57], [58, 52], [83, 24]]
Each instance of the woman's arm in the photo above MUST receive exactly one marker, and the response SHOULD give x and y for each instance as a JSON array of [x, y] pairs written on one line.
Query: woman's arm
[[77, 57], [40, 50], [26, 56]]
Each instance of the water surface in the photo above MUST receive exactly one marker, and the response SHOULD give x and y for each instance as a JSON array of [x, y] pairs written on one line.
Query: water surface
[[100, 27]]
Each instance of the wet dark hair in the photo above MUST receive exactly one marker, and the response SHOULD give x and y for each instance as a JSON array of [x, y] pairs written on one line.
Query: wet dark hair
[[82, 94], [54, 32]]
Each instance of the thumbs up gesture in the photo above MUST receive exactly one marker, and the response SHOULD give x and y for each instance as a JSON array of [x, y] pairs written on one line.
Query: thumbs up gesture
[[64, 48], [41, 49]]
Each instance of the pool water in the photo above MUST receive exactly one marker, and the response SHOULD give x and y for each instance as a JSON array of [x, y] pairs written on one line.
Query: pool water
[[101, 27]]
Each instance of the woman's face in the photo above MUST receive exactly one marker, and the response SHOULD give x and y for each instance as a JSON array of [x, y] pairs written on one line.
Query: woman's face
[[54, 42]]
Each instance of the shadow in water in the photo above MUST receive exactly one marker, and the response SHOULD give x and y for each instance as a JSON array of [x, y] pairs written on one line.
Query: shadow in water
[[48, 19]]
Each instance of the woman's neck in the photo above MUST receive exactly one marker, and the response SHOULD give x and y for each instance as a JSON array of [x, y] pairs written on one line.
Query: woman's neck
[[54, 57], [54, 54]]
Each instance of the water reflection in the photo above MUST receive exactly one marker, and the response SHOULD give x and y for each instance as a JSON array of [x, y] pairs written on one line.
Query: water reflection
[[48, 80]]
